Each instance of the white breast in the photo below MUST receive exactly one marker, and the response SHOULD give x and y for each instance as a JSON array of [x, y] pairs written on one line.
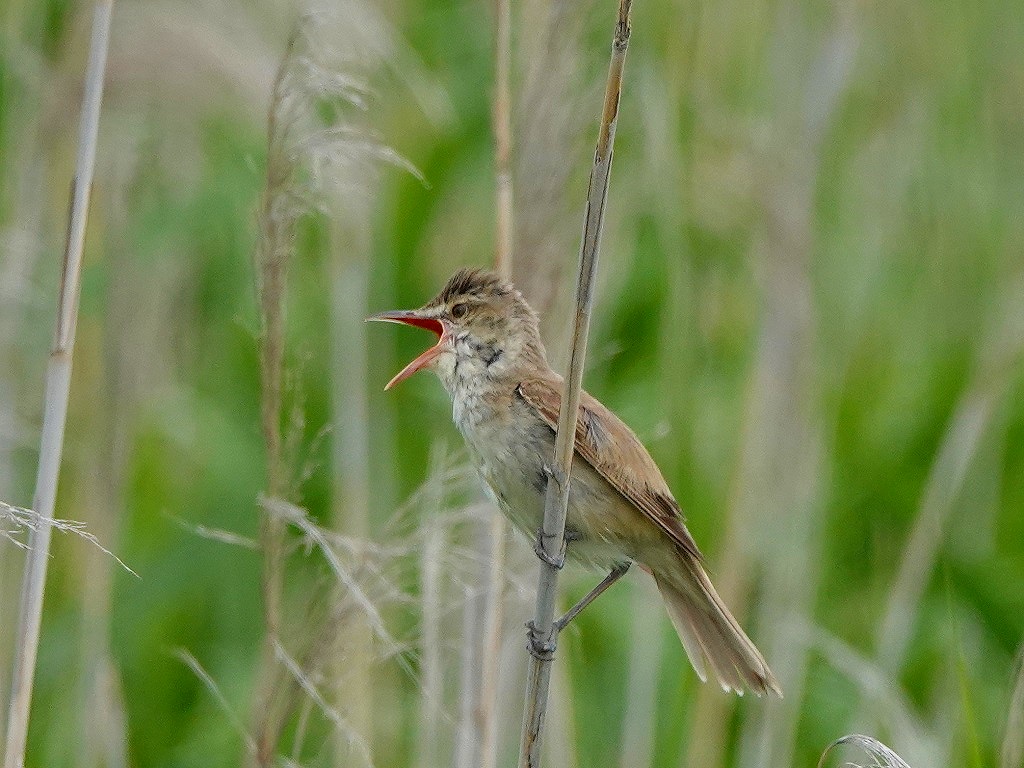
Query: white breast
[[510, 446]]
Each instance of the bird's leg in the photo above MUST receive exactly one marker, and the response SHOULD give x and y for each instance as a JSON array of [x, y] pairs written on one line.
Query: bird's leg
[[544, 649], [616, 573], [539, 647]]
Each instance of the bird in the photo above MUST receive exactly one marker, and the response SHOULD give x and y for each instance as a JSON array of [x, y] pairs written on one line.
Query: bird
[[505, 399]]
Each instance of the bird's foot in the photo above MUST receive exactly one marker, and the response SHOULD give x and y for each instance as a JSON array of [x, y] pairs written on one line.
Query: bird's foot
[[558, 561], [556, 473], [539, 648]]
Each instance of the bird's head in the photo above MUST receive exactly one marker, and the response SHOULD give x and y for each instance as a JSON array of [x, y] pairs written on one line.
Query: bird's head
[[483, 324]]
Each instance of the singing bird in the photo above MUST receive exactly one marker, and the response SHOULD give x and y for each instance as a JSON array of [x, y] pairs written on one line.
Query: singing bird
[[505, 401]]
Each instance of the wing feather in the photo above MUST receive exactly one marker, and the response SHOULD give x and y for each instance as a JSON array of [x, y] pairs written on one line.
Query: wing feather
[[609, 446]]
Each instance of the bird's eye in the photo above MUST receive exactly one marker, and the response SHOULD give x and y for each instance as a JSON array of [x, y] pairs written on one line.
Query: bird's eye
[[459, 310]]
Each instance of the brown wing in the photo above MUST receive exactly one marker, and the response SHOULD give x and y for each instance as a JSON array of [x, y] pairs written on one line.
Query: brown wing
[[611, 448]]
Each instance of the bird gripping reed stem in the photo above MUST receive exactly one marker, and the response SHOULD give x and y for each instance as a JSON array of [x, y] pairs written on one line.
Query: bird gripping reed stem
[[543, 633]]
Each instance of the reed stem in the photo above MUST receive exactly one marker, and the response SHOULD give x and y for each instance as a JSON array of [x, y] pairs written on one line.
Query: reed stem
[[556, 502], [486, 710], [55, 398]]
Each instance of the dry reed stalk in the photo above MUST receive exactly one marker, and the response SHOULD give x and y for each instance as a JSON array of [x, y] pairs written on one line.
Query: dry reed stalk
[[547, 129], [130, 361], [277, 220], [486, 710], [25, 183], [366, 43], [351, 445], [350, 406], [290, 144], [466, 744], [430, 716], [362, 587], [501, 126], [434, 544], [556, 501], [473, 644], [108, 743], [55, 399], [278, 217], [306, 159], [492, 554]]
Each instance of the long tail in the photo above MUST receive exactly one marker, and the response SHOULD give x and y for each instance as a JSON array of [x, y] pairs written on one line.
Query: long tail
[[710, 633]]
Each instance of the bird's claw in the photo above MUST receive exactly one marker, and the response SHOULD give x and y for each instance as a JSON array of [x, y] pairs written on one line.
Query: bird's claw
[[540, 649], [556, 473], [557, 562]]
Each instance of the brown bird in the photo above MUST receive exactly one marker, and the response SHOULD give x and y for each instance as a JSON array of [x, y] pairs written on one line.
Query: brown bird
[[505, 401]]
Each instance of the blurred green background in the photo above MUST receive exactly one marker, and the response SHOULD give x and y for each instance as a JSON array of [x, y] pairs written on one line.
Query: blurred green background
[[811, 309]]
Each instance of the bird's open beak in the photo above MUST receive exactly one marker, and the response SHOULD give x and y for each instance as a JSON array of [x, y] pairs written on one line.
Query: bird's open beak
[[420, 320]]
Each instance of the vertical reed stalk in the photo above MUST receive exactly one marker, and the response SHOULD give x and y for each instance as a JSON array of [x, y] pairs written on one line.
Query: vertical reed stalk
[[487, 697], [351, 462], [467, 739], [125, 370], [431, 715], [556, 500], [28, 185], [501, 125], [55, 399], [275, 242], [276, 236]]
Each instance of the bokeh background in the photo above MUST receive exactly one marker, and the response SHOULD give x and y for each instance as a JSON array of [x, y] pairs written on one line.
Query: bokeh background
[[811, 309]]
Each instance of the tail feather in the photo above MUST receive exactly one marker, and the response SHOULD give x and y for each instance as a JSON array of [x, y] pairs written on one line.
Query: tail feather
[[710, 634], [691, 642]]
